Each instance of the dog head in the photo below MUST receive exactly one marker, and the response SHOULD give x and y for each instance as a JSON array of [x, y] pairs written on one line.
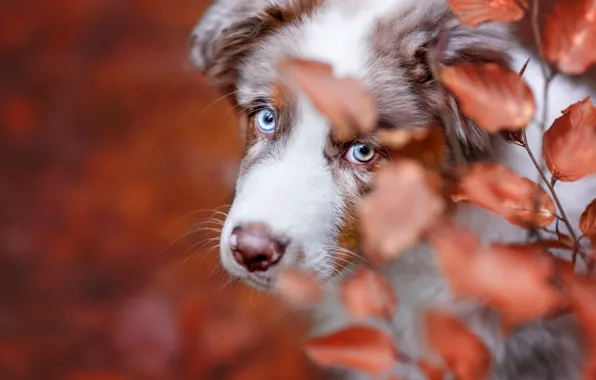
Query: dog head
[[298, 188]]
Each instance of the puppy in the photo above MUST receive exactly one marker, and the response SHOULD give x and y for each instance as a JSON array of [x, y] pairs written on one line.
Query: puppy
[[298, 188]]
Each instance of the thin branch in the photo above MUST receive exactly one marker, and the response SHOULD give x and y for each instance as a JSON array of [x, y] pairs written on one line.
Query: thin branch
[[553, 193]]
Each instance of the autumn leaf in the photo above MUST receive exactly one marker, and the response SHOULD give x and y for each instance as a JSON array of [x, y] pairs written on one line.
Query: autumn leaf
[[298, 288], [569, 42], [359, 347], [345, 101], [431, 371], [514, 279], [401, 207], [455, 248], [476, 12], [568, 145], [499, 189], [462, 351], [583, 296], [368, 294], [587, 222], [494, 97], [517, 280], [426, 145]]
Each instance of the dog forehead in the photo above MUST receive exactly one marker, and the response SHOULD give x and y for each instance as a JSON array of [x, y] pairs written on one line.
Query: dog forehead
[[335, 34], [374, 42]]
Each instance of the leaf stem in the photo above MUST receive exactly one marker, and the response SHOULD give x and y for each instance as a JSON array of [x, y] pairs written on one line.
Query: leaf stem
[[553, 193]]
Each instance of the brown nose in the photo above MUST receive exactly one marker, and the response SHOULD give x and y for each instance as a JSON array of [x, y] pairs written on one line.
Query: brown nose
[[254, 247]]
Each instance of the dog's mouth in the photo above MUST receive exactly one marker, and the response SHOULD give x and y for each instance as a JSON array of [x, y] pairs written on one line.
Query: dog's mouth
[[260, 281]]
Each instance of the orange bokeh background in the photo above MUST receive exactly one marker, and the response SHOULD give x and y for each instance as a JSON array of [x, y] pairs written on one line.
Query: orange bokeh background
[[111, 146]]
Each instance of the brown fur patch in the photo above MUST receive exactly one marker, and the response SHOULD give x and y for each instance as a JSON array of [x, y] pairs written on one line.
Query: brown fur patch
[[243, 37]]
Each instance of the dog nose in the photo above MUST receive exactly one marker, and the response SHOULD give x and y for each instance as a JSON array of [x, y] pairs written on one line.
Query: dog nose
[[254, 247]]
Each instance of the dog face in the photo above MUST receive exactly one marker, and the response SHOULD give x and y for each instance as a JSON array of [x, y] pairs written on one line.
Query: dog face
[[298, 188]]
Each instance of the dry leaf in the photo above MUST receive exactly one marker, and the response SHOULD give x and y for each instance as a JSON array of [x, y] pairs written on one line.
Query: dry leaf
[[502, 191], [494, 97], [368, 294], [517, 280], [583, 296], [476, 12], [455, 248], [402, 206], [426, 145], [359, 347], [514, 279], [298, 288], [431, 371], [462, 351], [569, 144], [587, 222], [345, 101], [569, 42]]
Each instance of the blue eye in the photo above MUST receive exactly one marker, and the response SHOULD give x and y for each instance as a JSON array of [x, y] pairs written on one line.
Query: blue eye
[[360, 153], [265, 120]]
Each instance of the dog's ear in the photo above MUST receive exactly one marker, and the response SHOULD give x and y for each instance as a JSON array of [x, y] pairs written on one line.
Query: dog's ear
[[230, 29], [488, 43], [223, 35]]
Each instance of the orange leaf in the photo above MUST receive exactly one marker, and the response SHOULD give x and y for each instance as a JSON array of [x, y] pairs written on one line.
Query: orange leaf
[[431, 371], [402, 206], [476, 12], [569, 41], [517, 280], [462, 351], [494, 97], [455, 248], [359, 347], [345, 101], [298, 288], [569, 143], [587, 222], [583, 296], [368, 294], [426, 145], [514, 279], [502, 191]]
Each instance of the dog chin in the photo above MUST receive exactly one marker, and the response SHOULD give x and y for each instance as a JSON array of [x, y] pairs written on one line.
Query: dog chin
[[260, 282]]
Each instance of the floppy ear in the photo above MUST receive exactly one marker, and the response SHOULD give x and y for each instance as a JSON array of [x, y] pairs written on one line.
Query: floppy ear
[[488, 43], [222, 36], [230, 29]]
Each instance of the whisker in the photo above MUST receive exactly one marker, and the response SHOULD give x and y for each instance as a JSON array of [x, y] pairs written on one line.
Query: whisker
[[351, 254], [218, 99]]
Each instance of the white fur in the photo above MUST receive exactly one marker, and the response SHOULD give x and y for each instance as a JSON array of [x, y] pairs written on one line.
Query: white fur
[[337, 33], [294, 194]]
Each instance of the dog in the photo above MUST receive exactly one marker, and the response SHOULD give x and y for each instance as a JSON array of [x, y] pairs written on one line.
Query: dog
[[298, 189]]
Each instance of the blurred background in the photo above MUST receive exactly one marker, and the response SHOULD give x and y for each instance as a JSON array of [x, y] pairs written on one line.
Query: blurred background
[[111, 149]]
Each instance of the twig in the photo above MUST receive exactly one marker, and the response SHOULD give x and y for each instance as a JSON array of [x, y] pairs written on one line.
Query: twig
[[553, 193], [548, 76]]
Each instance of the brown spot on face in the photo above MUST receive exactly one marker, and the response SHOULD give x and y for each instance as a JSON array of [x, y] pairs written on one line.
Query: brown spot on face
[[281, 101], [348, 234], [244, 37], [352, 190]]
